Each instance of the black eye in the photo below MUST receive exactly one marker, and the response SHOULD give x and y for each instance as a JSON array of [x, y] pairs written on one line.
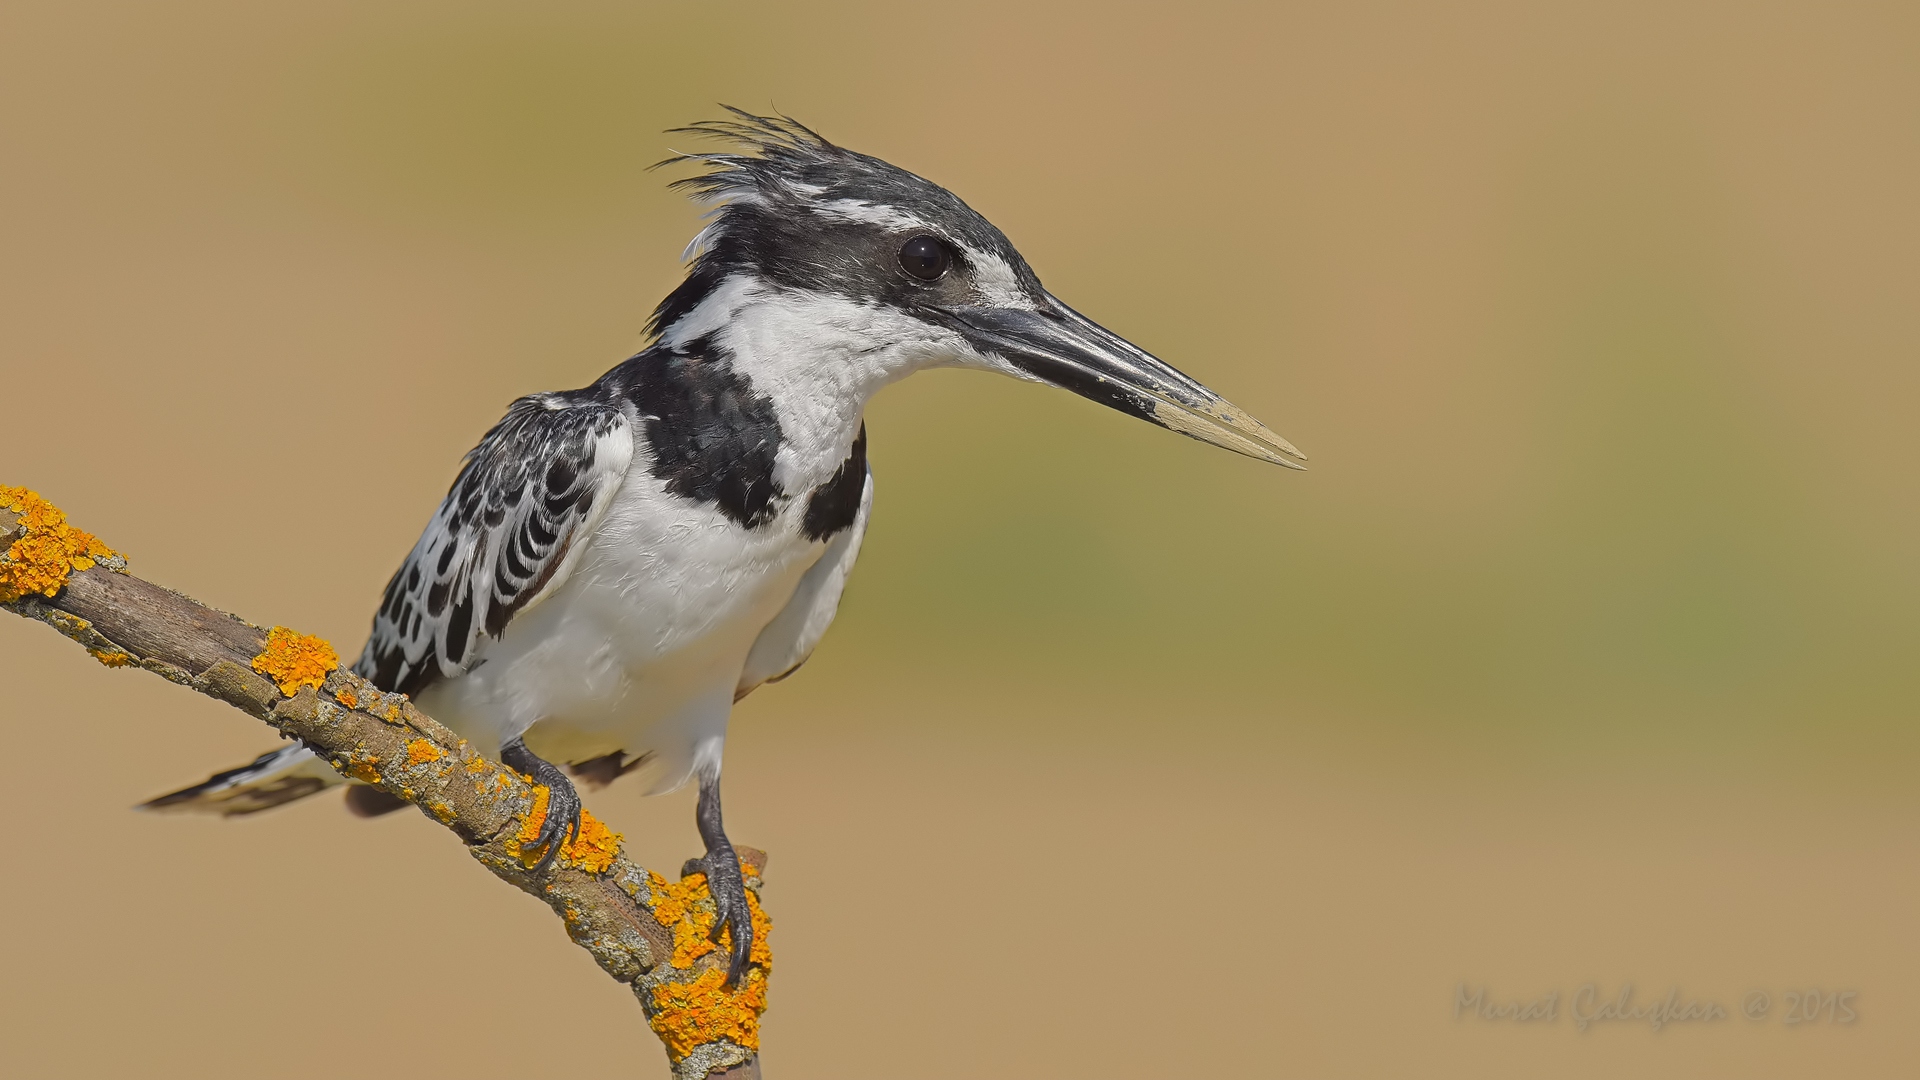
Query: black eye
[[925, 258]]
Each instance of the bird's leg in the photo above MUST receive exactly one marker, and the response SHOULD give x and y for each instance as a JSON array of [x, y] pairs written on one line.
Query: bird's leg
[[563, 802], [724, 880]]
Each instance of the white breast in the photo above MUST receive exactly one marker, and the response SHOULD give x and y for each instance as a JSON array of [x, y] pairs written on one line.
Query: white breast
[[642, 648]]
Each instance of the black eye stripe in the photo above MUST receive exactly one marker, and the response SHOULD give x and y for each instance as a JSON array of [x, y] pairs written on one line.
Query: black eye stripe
[[925, 257]]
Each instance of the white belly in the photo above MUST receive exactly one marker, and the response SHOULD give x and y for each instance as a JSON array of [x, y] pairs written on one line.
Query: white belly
[[641, 648]]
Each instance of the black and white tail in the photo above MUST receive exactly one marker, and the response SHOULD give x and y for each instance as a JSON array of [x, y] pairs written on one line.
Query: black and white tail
[[270, 780]]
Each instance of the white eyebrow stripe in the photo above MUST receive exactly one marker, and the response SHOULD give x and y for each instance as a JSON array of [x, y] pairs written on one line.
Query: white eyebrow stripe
[[862, 212], [995, 281]]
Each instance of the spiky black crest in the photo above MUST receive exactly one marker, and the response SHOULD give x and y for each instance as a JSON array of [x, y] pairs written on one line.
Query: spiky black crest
[[791, 207], [780, 149]]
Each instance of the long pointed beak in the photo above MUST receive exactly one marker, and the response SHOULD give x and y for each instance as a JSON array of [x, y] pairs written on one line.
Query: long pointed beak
[[1057, 345]]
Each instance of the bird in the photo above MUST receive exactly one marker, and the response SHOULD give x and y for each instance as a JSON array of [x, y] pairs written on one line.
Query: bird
[[614, 567]]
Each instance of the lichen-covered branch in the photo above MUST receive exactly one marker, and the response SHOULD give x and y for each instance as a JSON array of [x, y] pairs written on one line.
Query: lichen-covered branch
[[642, 929]]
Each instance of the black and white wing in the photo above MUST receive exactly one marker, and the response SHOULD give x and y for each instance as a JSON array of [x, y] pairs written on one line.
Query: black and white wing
[[511, 529]]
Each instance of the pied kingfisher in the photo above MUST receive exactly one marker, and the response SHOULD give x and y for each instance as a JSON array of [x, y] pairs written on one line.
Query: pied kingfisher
[[615, 566]]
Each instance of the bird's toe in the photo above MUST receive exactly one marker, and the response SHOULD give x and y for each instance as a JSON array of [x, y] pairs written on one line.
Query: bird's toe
[[562, 824], [732, 917]]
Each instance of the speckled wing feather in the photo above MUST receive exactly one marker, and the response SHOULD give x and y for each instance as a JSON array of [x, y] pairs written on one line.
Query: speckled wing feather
[[509, 532]]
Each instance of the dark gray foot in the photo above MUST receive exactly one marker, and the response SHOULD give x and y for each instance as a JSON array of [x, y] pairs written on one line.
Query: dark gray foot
[[563, 802], [724, 881]]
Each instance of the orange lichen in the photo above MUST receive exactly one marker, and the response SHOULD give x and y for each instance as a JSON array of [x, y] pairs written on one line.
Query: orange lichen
[[690, 1014], [362, 768], [760, 952], [47, 550], [347, 697], [593, 848], [393, 715], [690, 941], [295, 660], [420, 751], [477, 766], [521, 845], [111, 657], [672, 899]]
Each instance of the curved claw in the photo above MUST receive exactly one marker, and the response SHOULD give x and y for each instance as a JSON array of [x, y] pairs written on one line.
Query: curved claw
[[563, 801], [731, 912], [561, 826], [741, 924]]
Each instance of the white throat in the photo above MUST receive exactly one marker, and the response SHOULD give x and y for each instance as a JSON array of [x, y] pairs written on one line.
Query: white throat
[[818, 358]]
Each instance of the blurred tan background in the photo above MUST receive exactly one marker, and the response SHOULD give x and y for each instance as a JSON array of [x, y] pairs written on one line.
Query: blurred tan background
[[1585, 653]]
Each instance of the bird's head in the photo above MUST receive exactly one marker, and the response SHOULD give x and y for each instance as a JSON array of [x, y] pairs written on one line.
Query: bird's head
[[884, 261]]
